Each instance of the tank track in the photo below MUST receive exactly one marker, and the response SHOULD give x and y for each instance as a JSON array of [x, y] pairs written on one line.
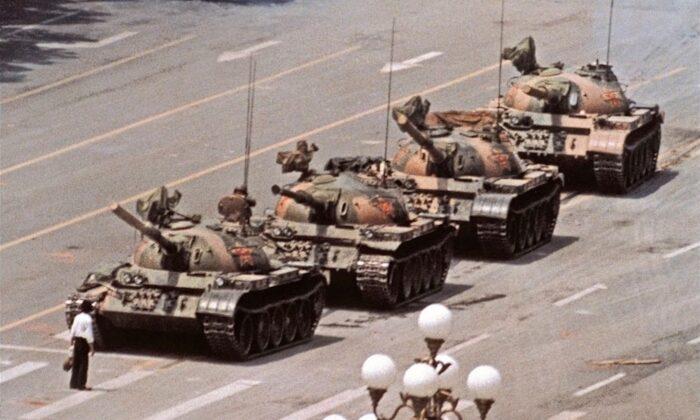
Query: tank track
[[255, 332], [530, 224], [390, 281], [618, 174]]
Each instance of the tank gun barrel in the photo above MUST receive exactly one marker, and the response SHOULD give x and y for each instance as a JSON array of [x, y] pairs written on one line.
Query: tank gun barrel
[[301, 197], [152, 233], [407, 126]]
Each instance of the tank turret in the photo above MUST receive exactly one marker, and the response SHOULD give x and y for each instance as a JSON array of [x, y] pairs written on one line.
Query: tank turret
[[473, 153], [591, 89], [341, 199], [581, 120]]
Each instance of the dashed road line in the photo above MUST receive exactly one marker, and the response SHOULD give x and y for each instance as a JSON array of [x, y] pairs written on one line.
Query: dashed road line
[[63, 336], [98, 354], [694, 341], [328, 404], [31, 317], [84, 396], [96, 70], [42, 23], [580, 294], [662, 76], [568, 415], [682, 250], [169, 113], [87, 45], [20, 370], [204, 400], [599, 385], [459, 347], [235, 55], [410, 63]]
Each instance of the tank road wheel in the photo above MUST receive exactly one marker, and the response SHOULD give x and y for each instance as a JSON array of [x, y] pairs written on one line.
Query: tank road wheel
[[305, 319], [409, 272], [511, 237], [262, 331], [290, 322], [531, 222], [523, 228], [437, 278], [540, 222], [243, 329], [429, 269], [276, 325]]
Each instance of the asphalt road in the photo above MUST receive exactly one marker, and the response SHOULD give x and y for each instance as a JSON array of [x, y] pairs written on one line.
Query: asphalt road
[[104, 101]]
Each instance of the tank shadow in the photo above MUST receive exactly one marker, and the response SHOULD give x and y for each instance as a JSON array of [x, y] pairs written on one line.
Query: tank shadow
[[558, 242], [347, 297], [22, 47], [651, 185], [194, 347]]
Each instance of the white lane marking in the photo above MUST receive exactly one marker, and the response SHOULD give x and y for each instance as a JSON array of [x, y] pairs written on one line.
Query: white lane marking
[[98, 44], [5, 362], [599, 385], [65, 335], [682, 250], [204, 400], [372, 142], [568, 415], [410, 63], [235, 55], [328, 404], [694, 341], [579, 295], [83, 396], [44, 22], [656, 78], [584, 312], [458, 347], [98, 354], [19, 370], [95, 70]]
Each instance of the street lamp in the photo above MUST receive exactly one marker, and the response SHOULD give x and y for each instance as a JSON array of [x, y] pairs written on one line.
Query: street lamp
[[429, 383]]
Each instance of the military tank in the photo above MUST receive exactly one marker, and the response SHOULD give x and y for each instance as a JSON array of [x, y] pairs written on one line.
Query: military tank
[[221, 279], [580, 120], [457, 166], [354, 230]]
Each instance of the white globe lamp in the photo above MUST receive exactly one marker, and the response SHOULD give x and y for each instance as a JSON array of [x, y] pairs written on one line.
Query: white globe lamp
[[449, 378]]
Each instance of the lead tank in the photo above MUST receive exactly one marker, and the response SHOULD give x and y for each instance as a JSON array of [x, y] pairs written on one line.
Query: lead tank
[[457, 166], [221, 279], [355, 230], [581, 120]]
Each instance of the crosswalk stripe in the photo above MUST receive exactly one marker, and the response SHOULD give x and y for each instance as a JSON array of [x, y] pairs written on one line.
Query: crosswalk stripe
[[19, 370], [204, 400], [83, 396]]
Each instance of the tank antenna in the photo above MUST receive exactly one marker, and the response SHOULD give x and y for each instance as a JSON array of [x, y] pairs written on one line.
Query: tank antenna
[[249, 120], [388, 96], [607, 54], [500, 70]]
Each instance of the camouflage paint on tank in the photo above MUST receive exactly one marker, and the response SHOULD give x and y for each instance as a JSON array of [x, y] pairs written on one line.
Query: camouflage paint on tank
[[581, 120]]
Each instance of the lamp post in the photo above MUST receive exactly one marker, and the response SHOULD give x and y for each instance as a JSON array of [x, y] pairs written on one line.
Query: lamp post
[[429, 383]]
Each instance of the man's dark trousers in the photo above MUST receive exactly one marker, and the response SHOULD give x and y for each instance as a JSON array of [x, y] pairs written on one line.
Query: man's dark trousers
[[78, 377]]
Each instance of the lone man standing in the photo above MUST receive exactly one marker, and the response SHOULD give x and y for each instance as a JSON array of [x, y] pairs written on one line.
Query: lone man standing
[[82, 339]]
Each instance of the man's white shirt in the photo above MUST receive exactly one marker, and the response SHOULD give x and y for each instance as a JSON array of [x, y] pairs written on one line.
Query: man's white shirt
[[82, 327]]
